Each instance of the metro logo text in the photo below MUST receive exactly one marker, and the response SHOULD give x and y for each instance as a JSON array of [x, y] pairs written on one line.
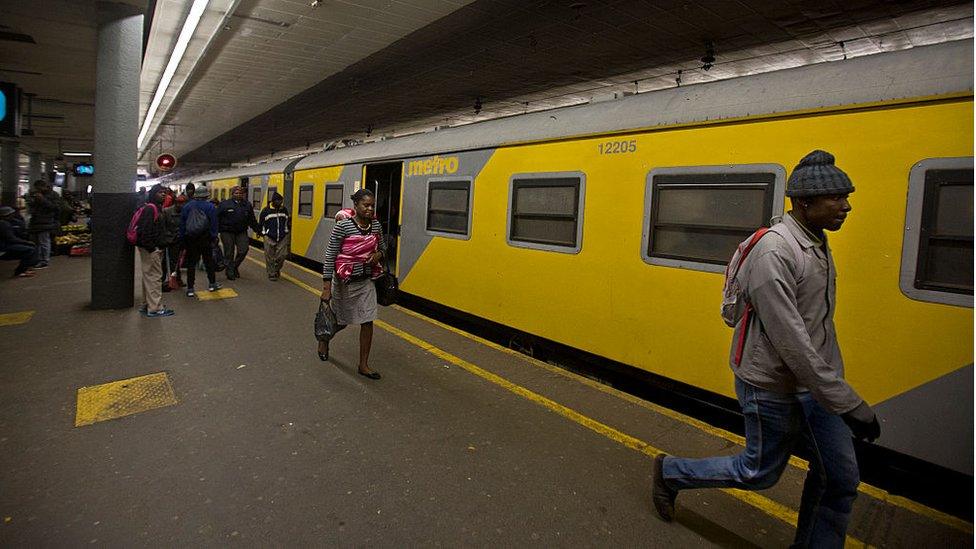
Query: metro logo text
[[433, 166]]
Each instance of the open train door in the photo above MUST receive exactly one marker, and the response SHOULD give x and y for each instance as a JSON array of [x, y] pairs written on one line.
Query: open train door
[[385, 181]]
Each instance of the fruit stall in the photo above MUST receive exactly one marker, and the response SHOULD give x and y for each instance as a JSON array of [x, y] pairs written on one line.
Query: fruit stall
[[74, 240]]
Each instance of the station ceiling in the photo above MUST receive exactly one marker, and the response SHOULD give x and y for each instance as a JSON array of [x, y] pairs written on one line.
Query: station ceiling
[[264, 79]]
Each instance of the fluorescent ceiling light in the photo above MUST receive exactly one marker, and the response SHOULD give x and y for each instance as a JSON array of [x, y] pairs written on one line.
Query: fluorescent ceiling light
[[189, 26], [76, 154]]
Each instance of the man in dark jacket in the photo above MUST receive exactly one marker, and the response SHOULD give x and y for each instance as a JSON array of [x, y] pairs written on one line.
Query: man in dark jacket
[[14, 246], [171, 239], [198, 231], [234, 216], [276, 230], [44, 206], [150, 227]]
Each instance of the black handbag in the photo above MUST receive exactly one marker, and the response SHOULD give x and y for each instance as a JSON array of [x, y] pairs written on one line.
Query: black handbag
[[326, 324], [386, 288]]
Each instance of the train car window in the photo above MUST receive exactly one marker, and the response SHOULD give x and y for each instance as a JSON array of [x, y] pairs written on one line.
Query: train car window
[[449, 207], [546, 211], [305, 200], [695, 217], [256, 198], [937, 251], [333, 200]]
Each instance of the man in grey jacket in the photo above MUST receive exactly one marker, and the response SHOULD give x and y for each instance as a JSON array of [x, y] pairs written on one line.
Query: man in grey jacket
[[789, 375]]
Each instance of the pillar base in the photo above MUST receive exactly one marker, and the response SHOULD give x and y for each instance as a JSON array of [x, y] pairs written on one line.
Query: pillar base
[[113, 258]]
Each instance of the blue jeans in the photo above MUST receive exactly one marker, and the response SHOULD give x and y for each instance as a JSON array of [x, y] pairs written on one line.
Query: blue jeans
[[43, 241], [775, 424]]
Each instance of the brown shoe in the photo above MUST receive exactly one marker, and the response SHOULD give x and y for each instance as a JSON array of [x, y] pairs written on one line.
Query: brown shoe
[[662, 495]]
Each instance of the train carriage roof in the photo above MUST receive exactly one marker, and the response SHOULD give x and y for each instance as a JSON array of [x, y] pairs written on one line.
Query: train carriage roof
[[922, 71], [278, 166]]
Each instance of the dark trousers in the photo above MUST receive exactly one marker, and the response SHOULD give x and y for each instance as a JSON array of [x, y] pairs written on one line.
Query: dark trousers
[[196, 249], [26, 254], [235, 248], [171, 260]]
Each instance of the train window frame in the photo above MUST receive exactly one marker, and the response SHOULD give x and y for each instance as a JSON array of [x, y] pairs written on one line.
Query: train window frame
[[469, 185], [919, 213], [310, 203], [539, 179], [773, 205], [342, 191], [256, 202]]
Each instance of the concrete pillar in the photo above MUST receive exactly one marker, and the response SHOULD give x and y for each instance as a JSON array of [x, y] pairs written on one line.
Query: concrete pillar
[[9, 173], [34, 171], [116, 129]]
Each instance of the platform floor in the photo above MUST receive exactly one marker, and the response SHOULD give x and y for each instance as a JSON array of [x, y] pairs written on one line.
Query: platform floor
[[462, 443]]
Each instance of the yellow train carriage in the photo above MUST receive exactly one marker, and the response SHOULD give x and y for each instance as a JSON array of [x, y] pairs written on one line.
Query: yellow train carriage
[[605, 227], [595, 227]]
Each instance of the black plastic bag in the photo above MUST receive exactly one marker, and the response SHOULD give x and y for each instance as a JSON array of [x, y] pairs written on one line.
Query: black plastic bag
[[326, 325], [386, 289], [218, 258]]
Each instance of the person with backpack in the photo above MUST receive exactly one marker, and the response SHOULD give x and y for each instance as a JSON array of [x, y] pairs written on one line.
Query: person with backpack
[[198, 231], [144, 233], [234, 216], [44, 206], [789, 375], [276, 229]]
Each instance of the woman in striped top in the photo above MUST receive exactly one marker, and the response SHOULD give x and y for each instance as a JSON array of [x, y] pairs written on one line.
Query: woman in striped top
[[352, 260]]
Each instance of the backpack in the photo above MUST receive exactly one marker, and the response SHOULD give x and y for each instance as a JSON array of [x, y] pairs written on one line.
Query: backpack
[[733, 304], [141, 231], [735, 308], [197, 223]]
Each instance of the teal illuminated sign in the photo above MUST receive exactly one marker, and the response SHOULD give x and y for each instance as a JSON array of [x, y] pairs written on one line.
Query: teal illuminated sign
[[9, 116]]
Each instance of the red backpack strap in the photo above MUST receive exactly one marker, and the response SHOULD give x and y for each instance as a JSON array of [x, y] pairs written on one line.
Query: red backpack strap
[[752, 244]]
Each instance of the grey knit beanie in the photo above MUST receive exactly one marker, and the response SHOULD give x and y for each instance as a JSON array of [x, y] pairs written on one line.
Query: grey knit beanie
[[816, 175], [201, 192]]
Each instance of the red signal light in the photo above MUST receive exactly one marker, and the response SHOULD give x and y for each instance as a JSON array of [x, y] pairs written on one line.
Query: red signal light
[[165, 162]]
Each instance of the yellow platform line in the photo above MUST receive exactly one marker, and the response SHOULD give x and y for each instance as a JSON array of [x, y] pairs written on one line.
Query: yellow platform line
[[873, 491], [766, 505]]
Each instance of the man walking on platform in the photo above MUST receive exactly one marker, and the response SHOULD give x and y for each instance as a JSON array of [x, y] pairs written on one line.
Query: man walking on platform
[[789, 375], [276, 229], [198, 231], [234, 216]]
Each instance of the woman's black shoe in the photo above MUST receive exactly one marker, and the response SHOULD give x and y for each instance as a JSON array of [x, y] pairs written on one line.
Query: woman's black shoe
[[324, 356], [371, 375]]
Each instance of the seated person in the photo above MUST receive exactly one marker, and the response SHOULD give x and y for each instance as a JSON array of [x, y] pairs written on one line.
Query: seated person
[[13, 245]]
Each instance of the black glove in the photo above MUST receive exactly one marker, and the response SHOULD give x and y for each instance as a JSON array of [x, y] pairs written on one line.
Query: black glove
[[863, 423]]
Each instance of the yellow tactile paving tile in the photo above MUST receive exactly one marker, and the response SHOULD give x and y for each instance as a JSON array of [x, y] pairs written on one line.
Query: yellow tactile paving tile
[[223, 293], [123, 398], [12, 319]]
